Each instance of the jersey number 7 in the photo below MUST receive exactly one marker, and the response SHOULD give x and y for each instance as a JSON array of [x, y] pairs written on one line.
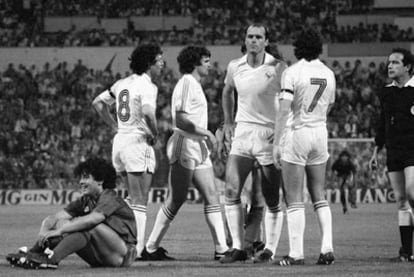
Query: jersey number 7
[[322, 85]]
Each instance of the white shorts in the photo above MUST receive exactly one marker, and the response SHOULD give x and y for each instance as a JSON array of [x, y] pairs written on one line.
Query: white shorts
[[305, 146], [253, 141], [131, 153], [191, 153]]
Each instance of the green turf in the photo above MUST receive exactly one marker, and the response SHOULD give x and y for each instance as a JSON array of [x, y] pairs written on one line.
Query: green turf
[[364, 240]]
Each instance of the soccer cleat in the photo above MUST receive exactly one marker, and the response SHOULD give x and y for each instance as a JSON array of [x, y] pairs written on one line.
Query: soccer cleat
[[326, 259], [218, 256], [345, 210], [288, 261], [403, 257], [233, 255], [263, 256], [258, 246], [16, 259], [39, 261], [159, 255], [354, 206]]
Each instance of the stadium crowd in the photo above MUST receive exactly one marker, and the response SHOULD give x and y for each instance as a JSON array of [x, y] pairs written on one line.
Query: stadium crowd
[[48, 124], [215, 22]]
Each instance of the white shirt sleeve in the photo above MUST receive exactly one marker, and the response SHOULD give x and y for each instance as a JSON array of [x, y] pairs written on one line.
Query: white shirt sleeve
[[182, 96], [228, 80], [150, 96], [287, 85], [108, 96]]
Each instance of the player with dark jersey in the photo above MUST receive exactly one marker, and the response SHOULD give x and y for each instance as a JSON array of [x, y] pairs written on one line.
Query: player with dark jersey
[[345, 171], [99, 226]]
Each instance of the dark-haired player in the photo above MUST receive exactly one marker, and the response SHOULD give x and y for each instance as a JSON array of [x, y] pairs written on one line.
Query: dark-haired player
[[256, 78], [188, 151], [345, 170], [301, 143], [396, 133], [136, 128], [99, 226]]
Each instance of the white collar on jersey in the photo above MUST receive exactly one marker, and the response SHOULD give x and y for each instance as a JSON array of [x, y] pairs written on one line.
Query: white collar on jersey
[[145, 75], [268, 58], [410, 83], [303, 60]]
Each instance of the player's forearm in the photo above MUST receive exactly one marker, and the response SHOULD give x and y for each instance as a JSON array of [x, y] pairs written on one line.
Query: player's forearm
[[49, 223], [104, 113], [82, 223], [189, 127], [280, 125], [152, 124], [228, 105]]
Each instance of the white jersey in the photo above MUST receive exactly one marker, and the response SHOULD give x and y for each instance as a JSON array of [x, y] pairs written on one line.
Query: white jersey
[[256, 89], [311, 86], [188, 97], [130, 94]]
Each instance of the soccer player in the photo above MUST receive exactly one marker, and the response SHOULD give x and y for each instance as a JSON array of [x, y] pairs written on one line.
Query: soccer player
[[301, 143], [99, 226], [132, 154], [188, 151], [396, 132], [345, 169], [255, 204], [256, 77]]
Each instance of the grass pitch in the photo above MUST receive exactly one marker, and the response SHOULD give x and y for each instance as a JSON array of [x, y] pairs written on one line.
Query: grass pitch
[[364, 241]]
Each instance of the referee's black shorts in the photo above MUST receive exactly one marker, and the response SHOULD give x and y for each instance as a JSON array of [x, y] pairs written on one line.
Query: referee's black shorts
[[399, 158]]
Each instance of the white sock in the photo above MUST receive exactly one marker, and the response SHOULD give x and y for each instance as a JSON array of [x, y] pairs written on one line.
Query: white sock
[[253, 226], [161, 225], [140, 213], [295, 216], [214, 219], [405, 217], [273, 225], [235, 221], [324, 215]]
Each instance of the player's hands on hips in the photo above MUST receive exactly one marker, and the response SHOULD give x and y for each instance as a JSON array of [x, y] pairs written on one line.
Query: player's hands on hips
[[277, 157]]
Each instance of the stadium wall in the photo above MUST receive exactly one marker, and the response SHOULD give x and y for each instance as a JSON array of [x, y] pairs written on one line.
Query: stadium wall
[[99, 57], [158, 195]]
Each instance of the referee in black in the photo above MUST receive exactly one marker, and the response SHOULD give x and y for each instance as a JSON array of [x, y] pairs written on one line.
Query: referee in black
[[396, 132]]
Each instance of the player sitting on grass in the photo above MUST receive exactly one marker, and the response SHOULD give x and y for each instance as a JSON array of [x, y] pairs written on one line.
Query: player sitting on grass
[[99, 226]]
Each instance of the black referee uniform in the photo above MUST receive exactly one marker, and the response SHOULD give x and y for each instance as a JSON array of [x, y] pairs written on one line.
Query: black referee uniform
[[396, 126]]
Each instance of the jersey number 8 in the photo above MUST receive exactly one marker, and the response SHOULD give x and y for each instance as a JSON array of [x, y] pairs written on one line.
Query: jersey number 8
[[123, 105]]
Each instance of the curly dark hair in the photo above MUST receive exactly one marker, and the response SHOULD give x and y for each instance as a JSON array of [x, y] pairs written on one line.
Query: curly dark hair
[[308, 45], [190, 57], [408, 58], [100, 169], [143, 57]]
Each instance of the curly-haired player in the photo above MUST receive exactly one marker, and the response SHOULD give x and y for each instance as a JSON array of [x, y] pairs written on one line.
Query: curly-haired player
[[132, 154], [99, 226], [301, 143], [188, 151]]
